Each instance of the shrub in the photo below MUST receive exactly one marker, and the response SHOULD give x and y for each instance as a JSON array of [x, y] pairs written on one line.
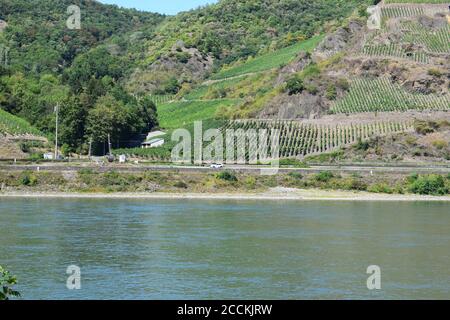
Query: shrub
[[354, 184], [293, 162], [429, 184], [425, 127], [343, 84], [324, 176], [439, 144], [35, 157], [331, 93], [312, 89], [362, 145], [28, 179], [295, 175], [227, 176], [6, 281], [25, 147], [380, 188], [412, 141], [435, 72], [250, 182], [181, 185], [310, 71], [294, 85], [183, 57]]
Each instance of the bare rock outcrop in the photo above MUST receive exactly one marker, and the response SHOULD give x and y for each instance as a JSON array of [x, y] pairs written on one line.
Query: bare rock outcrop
[[337, 41]]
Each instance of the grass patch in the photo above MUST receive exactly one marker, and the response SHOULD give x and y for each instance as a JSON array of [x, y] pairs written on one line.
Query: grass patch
[[270, 60], [180, 114]]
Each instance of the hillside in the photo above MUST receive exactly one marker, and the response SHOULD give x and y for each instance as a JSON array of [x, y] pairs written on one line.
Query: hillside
[[192, 45], [13, 131], [312, 69], [356, 74], [79, 70]]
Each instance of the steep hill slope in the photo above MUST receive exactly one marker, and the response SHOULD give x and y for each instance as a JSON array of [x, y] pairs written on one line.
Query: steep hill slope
[[49, 64], [13, 130], [40, 41], [404, 65], [193, 44], [354, 86]]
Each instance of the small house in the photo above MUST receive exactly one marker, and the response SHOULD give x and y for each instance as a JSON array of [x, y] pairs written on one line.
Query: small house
[[48, 156], [153, 143], [154, 134]]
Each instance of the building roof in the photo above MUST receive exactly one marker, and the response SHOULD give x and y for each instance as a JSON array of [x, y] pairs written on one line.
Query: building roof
[[153, 141], [155, 134]]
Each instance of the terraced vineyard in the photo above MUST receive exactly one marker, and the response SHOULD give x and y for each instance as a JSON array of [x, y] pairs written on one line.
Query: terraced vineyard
[[160, 99], [401, 11], [12, 125], [394, 50], [381, 95], [435, 40], [300, 139], [269, 60], [181, 113]]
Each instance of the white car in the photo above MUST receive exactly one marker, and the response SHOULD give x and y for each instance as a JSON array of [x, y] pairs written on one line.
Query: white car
[[216, 166]]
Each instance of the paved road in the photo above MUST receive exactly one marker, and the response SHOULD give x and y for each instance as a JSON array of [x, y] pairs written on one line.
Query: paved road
[[240, 168]]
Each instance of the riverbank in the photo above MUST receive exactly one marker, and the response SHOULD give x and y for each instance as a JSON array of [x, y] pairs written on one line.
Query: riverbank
[[276, 194], [227, 185]]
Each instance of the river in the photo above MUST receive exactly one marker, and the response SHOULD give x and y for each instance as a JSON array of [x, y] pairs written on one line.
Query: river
[[197, 249]]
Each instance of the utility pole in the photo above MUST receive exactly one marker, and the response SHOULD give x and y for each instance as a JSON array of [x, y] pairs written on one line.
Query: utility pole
[[90, 148], [56, 133], [109, 144]]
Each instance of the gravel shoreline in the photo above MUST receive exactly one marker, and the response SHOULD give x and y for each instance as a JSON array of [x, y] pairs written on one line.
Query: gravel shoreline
[[276, 194]]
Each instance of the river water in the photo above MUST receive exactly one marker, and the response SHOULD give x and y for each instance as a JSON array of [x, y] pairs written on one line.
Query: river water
[[191, 249]]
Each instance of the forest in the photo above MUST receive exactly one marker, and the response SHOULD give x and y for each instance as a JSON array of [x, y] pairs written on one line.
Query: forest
[[99, 75]]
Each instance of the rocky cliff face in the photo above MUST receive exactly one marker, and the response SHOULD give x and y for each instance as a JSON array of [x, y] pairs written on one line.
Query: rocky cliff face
[[402, 54], [183, 64]]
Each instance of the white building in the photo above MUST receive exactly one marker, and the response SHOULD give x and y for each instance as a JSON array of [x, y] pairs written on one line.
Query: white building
[[122, 158], [153, 143], [154, 134], [48, 156]]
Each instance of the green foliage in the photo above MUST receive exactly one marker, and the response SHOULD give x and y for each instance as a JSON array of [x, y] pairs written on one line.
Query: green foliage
[[331, 92], [40, 41], [435, 72], [7, 281], [112, 117], [27, 178], [14, 125], [380, 94], [362, 145], [295, 175], [179, 114], [324, 176], [269, 60], [169, 87], [294, 85], [380, 188], [310, 71], [180, 185], [226, 176], [429, 185], [424, 127], [52, 65], [293, 162], [343, 84]]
